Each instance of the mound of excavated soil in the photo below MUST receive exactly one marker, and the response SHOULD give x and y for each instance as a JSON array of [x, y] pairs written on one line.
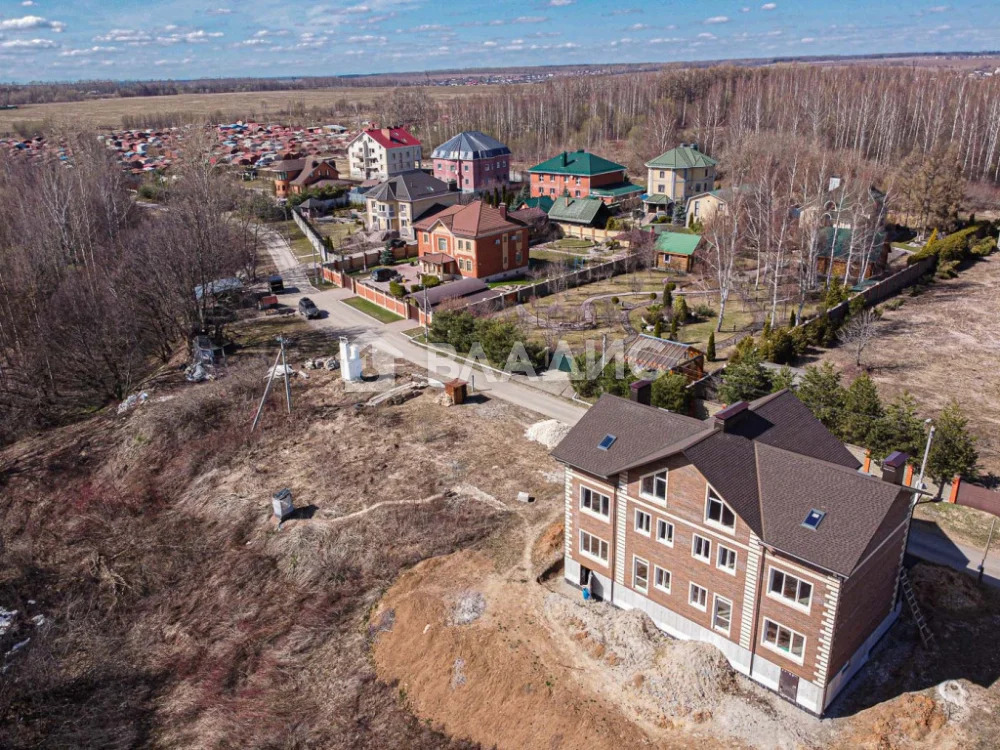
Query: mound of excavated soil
[[939, 588], [549, 432]]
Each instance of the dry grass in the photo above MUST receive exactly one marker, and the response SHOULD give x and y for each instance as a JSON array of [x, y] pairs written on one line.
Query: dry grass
[[267, 105], [180, 617], [944, 344]]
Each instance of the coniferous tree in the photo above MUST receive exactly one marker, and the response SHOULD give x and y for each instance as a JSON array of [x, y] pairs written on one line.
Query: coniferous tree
[[710, 349], [670, 392], [862, 412], [822, 392], [745, 380], [953, 452], [901, 429]]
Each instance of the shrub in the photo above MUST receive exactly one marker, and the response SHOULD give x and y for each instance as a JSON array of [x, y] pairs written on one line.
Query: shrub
[[430, 280], [710, 349], [652, 295], [778, 346], [704, 311], [670, 392], [894, 304], [984, 247], [396, 289], [614, 300]]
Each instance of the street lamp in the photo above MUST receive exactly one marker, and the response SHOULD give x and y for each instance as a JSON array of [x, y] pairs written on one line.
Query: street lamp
[[927, 451]]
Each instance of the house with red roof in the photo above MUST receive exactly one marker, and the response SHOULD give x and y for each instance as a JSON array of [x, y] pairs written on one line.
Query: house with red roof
[[380, 153], [474, 241]]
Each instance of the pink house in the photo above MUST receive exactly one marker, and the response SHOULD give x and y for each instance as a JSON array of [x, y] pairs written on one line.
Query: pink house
[[474, 160]]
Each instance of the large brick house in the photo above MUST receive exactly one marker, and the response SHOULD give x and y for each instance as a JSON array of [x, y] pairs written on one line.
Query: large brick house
[[579, 174], [474, 160], [752, 530], [677, 175], [395, 204], [293, 176], [379, 153], [474, 241]]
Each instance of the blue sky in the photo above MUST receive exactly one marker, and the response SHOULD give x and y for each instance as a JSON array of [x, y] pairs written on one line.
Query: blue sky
[[81, 39]]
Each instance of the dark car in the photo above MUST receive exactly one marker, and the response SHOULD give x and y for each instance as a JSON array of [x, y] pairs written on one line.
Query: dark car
[[382, 274], [308, 309]]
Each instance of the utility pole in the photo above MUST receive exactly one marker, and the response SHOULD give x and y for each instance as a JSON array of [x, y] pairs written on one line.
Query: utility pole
[[986, 550], [267, 390], [284, 367], [927, 451]]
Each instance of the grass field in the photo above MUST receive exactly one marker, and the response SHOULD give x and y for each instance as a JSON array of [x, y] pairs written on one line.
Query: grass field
[[265, 105], [369, 308]]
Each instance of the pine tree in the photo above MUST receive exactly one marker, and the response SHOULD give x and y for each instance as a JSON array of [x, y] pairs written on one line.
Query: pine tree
[[745, 380], [710, 349], [783, 379], [793, 320], [862, 412], [822, 392], [668, 295], [953, 451], [681, 309], [673, 328], [658, 328], [670, 392], [901, 429]]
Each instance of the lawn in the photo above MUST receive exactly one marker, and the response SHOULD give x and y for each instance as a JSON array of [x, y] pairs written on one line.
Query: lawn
[[301, 246], [370, 308], [573, 243]]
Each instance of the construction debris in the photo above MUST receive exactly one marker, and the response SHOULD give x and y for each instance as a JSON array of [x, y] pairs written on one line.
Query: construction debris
[[197, 373], [132, 401], [282, 504], [321, 363], [524, 497]]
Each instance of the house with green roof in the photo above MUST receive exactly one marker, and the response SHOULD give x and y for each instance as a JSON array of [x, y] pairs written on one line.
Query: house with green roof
[[675, 250], [677, 175], [586, 212], [580, 174]]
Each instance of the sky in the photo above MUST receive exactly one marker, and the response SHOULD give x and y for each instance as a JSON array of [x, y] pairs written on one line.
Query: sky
[[66, 40]]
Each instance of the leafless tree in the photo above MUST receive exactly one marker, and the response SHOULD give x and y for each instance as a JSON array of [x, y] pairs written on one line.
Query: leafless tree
[[859, 332]]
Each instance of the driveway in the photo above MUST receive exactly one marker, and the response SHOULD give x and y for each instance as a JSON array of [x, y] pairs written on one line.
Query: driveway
[[294, 274]]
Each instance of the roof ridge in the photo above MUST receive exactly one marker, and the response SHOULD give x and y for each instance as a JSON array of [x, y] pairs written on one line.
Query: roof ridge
[[824, 462]]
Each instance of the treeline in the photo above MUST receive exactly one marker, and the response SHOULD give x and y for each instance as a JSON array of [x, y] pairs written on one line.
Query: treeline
[[881, 113], [96, 292]]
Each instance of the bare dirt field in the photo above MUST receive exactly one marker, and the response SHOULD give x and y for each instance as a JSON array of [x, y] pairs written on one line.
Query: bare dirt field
[[944, 344], [265, 105]]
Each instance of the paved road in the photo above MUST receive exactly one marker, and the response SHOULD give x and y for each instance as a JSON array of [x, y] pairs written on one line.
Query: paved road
[[930, 543], [288, 265]]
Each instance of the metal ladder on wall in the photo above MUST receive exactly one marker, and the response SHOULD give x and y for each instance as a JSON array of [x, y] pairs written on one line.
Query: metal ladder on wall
[[918, 616]]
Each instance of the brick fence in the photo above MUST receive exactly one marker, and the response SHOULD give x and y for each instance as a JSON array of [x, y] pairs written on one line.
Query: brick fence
[[883, 289]]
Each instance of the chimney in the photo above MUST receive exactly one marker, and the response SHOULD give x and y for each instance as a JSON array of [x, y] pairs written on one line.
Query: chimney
[[565, 158], [694, 146], [729, 417], [503, 209], [452, 186], [894, 467], [642, 392]]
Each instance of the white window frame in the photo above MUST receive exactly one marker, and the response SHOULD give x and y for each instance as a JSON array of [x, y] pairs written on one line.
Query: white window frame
[[636, 560], [715, 613], [666, 524], [593, 492], [656, 570], [709, 492], [720, 549], [691, 587], [653, 497], [780, 597], [790, 655], [649, 522], [694, 541], [588, 555]]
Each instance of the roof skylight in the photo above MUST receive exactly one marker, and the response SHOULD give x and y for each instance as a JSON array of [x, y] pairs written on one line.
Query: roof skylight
[[813, 519], [607, 442]]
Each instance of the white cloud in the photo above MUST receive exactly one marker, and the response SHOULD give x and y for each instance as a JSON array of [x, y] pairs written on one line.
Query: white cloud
[[939, 9], [27, 3], [489, 44], [84, 52], [198, 36], [30, 22], [717, 19], [638, 26], [745, 9], [357, 9], [530, 19], [706, 35], [27, 45], [560, 3], [125, 36], [219, 11], [362, 38], [769, 6], [807, 39]]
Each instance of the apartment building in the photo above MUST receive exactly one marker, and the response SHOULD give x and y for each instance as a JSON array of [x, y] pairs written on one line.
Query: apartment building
[[474, 241], [474, 160], [379, 153], [395, 204], [677, 175], [752, 530]]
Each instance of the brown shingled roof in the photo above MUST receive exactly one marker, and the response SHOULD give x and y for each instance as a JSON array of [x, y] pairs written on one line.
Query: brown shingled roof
[[475, 219], [772, 463]]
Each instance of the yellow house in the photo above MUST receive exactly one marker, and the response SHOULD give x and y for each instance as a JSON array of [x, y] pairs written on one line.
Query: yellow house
[[704, 206], [677, 175]]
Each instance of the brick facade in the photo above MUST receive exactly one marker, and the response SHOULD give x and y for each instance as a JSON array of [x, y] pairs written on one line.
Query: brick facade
[[555, 185], [474, 175], [480, 257]]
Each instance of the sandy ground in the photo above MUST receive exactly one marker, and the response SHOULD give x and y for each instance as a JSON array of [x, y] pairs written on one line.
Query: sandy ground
[[944, 344], [483, 652]]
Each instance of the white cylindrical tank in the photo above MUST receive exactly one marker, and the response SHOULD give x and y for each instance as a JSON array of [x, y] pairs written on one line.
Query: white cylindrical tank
[[350, 361]]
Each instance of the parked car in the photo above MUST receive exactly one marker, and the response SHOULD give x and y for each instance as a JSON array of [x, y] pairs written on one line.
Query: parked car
[[382, 274], [308, 309]]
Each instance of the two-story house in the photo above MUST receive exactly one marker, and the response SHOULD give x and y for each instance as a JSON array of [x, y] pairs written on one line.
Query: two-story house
[[474, 160], [293, 176], [474, 241], [579, 174], [677, 175], [752, 530], [379, 153], [395, 204]]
